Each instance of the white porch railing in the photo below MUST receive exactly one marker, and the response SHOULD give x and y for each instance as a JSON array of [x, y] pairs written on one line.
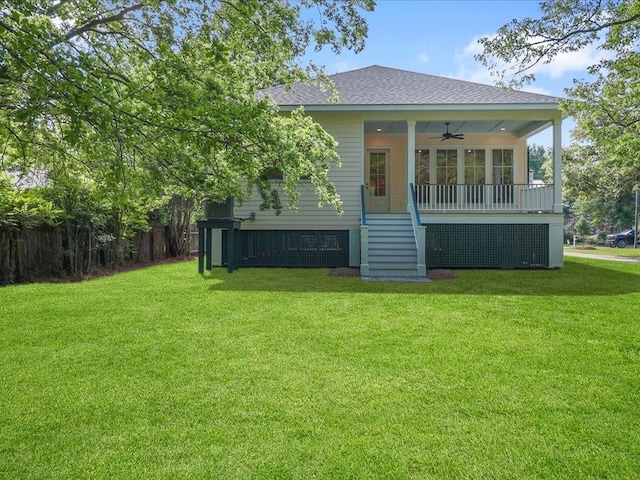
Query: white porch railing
[[529, 198]]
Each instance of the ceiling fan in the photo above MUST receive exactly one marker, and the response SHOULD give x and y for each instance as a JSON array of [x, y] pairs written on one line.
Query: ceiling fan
[[447, 135]]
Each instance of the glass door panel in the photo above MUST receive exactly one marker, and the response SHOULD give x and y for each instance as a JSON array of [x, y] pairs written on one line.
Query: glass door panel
[[502, 168], [446, 175], [474, 175], [377, 174], [376, 181], [422, 176]]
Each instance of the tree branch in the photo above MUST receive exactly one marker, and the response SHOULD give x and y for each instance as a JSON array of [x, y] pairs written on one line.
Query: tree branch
[[51, 11], [583, 31], [118, 17]]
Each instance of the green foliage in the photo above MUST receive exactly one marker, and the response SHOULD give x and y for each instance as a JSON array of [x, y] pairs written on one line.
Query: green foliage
[[26, 208], [136, 111], [605, 107], [537, 156], [564, 26], [606, 111], [306, 151], [597, 189], [160, 97], [583, 229]]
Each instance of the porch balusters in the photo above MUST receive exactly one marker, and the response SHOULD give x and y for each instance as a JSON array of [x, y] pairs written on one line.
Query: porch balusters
[[507, 197]]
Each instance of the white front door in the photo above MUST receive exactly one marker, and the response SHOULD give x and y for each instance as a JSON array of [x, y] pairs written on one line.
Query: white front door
[[377, 181]]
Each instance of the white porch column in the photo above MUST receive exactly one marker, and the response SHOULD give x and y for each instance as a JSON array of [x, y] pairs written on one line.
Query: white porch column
[[556, 254], [411, 158], [557, 165]]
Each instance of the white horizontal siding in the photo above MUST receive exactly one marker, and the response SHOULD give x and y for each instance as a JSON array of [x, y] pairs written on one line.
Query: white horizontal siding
[[347, 130]]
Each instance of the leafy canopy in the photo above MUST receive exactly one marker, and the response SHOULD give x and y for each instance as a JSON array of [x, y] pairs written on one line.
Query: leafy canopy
[[605, 106], [161, 95]]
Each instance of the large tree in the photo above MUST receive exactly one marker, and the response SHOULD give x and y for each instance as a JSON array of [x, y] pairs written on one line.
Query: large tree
[[605, 106], [166, 91], [596, 189]]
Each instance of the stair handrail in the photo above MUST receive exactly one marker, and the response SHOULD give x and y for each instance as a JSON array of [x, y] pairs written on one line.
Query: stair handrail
[[363, 209], [418, 231], [415, 213]]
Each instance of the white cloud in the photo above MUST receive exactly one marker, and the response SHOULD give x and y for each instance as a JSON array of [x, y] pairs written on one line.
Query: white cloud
[[468, 68], [423, 58], [568, 62], [474, 47], [574, 63]]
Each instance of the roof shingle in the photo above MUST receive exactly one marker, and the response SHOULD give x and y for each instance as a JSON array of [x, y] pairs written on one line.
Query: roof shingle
[[376, 85]]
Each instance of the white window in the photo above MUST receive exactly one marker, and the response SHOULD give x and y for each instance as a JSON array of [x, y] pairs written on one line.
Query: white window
[[474, 174], [502, 166], [423, 165]]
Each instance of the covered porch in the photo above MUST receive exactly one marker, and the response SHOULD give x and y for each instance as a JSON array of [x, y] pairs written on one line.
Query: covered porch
[[484, 170], [466, 191]]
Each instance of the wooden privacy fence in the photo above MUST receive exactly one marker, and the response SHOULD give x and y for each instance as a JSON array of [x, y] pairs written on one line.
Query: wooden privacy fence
[[28, 254]]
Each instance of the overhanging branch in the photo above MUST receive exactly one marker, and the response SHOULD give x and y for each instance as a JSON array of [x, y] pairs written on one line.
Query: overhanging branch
[[118, 17]]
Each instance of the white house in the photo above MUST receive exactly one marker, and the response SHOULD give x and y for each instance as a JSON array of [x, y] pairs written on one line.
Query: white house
[[434, 174]]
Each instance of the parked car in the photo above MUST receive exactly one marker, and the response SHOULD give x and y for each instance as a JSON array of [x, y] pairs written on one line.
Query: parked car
[[621, 239]]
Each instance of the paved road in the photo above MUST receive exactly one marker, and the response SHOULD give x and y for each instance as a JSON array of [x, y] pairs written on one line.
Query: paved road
[[603, 257]]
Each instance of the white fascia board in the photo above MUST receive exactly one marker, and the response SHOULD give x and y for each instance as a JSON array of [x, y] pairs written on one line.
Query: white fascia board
[[428, 107]]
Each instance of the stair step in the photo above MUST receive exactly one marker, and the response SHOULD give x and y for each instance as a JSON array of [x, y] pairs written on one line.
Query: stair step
[[402, 222], [393, 228], [394, 221], [392, 273], [376, 252], [378, 216], [390, 243], [390, 257], [392, 248], [387, 243], [390, 236], [392, 266], [403, 225], [390, 233]]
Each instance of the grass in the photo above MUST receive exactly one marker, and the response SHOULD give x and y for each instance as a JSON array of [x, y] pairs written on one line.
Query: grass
[[163, 373], [603, 250]]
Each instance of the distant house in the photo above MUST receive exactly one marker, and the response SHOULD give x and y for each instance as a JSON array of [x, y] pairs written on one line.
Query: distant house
[[434, 174]]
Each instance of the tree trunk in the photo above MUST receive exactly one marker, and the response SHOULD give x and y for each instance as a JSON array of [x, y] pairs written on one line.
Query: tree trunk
[[180, 211]]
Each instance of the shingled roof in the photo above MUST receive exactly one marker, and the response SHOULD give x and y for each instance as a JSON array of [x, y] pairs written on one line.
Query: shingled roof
[[377, 85]]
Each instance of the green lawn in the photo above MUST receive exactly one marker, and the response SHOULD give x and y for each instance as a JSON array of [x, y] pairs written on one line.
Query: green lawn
[[602, 250], [163, 373]]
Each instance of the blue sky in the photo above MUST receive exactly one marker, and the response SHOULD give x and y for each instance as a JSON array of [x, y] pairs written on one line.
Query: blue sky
[[440, 38]]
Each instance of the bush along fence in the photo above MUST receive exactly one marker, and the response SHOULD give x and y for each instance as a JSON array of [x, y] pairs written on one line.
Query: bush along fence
[[45, 236], [30, 254]]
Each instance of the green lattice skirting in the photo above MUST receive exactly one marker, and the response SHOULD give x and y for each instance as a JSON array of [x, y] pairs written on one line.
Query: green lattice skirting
[[292, 248], [487, 246]]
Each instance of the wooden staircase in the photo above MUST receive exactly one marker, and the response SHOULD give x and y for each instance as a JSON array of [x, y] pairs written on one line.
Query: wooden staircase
[[392, 246]]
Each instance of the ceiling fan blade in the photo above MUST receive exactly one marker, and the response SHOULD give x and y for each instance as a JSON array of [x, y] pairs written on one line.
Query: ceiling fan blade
[[459, 136]]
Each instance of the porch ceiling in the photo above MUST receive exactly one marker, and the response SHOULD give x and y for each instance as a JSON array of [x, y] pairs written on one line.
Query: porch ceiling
[[520, 128]]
